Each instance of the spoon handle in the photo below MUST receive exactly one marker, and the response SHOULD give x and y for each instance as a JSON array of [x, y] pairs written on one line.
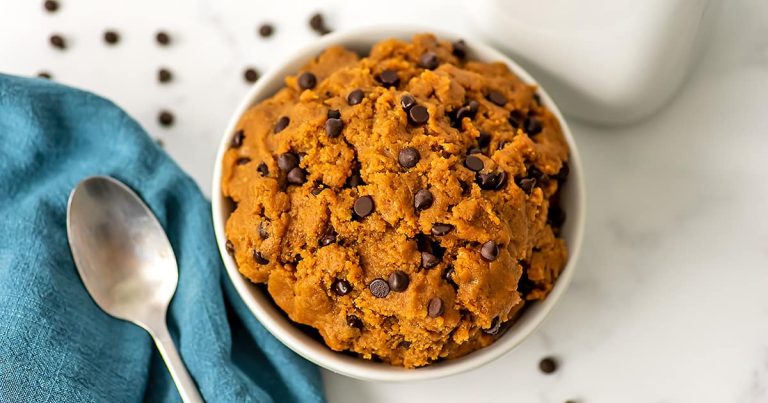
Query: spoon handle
[[184, 382]]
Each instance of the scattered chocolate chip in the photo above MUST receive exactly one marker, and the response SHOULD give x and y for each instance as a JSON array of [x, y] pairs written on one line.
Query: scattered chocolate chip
[[162, 38], [266, 30], [502, 181], [307, 81], [263, 169], [287, 161], [44, 74], [516, 118], [164, 75], [491, 180], [495, 327], [328, 238], [354, 321], [237, 139], [548, 365], [435, 307], [428, 260], [484, 139], [497, 98], [230, 247], [407, 102], [242, 161], [341, 287], [562, 174], [460, 49], [440, 229], [428, 60], [355, 97], [556, 216], [354, 180], [467, 111], [398, 281], [57, 41], [489, 251], [379, 288], [296, 176], [281, 124], [334, 114], [527, 184], [389, 78], [263, 232], [363, 206], [474, 163], [250, 75], [259, 258], [165, 118], [408, 157], [532, 126], [333, 127], [111, 37], [423, 199], [418, 115], [317, 23], [51, 6], [448, 276]]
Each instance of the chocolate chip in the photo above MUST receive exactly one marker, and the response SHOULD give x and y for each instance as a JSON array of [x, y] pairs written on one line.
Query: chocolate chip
[[287, 161], [263, 232], [317, 23], [536, 98], [474, 151], [259, 258], [418, 115], [428, 260], [466, 111], [341, 287], [516, 118], [407, 102], [474, 163], [281, 124], [44, 74], [489, 251], [428, 60], [465, 188], [435, 307], [398, 281], [263, 169], [495, 327], [440, 229], [532, 126], [548, 365], [164, 75], [242, 161], [497, 98], [525, 285], [379, 288], [328, 238], [111, 37], [389, 78], [307, 81], [51, 6], [317, 188], [404, 344], [484, 139], [448, 276], [460, 49], [536, 173], [354, 321], [296, 176], [490, 180], [229, 247], [354, 180], [334, 114], [423, 199], [527, 184], [355, 97], [250, 75], [165, 118], [408, 157], [237, 139], [556, 216], [333, 127], [57, 41], [363, 206], [266, 30], [163, 38], [502, 181], [562, 174]]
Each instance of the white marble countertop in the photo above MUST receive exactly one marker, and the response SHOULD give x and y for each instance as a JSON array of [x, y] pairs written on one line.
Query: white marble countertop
[[670, 299]]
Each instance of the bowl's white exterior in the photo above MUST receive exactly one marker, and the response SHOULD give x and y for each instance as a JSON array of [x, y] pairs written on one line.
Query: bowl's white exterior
[[573, 200]]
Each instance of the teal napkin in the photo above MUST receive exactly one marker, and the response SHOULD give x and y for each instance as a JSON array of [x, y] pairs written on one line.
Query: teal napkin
[[56, 345]]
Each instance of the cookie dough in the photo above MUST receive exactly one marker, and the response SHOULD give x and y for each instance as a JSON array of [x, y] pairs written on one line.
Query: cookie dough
[[404, 204]]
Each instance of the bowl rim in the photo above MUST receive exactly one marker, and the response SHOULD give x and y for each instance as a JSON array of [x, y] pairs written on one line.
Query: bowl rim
[[285, 331]]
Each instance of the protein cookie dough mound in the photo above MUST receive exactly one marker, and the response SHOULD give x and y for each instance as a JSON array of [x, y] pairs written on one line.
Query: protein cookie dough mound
[[404, 203]]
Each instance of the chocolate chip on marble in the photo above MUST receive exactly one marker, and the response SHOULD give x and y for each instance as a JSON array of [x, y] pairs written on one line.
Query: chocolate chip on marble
[[398, 281], [562, 174], [441, 229], [341, 287], [379, 288], [435, 307], [389, 78], [328, 238], [164, 75], [428, 60], [474, 163], [317, 23], [296, 176], [237, 139], [489, 251], [333, 127], [418, 115], [354, 321], [307, 81], [111, 37], [266, 30], [355, 97], [230, 247], [51, 6], [281, 124], [497, 98], [162, 38], [242, 161], [263, 169], [287, 161], [44, 74], [263, 232], [259, 258], [548, 365], [57, 41], [423, 199], [527, 184], [407, 102], [333, 114], [408, 157], [165, 118], [428, 260], [556, 216], [364, 206], [460, 49], [251, 75], [532, 126]]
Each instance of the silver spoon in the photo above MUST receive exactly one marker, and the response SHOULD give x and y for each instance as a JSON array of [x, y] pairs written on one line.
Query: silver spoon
[[126, 263]]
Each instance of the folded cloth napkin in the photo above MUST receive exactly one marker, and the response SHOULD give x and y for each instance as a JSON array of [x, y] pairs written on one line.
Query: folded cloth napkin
[[56, 345]]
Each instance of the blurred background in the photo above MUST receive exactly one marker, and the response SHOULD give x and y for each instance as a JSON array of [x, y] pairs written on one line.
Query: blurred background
[[668, 303]]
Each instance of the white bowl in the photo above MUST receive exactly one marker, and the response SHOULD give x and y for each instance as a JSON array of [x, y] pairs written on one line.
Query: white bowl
[[572, 199]]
